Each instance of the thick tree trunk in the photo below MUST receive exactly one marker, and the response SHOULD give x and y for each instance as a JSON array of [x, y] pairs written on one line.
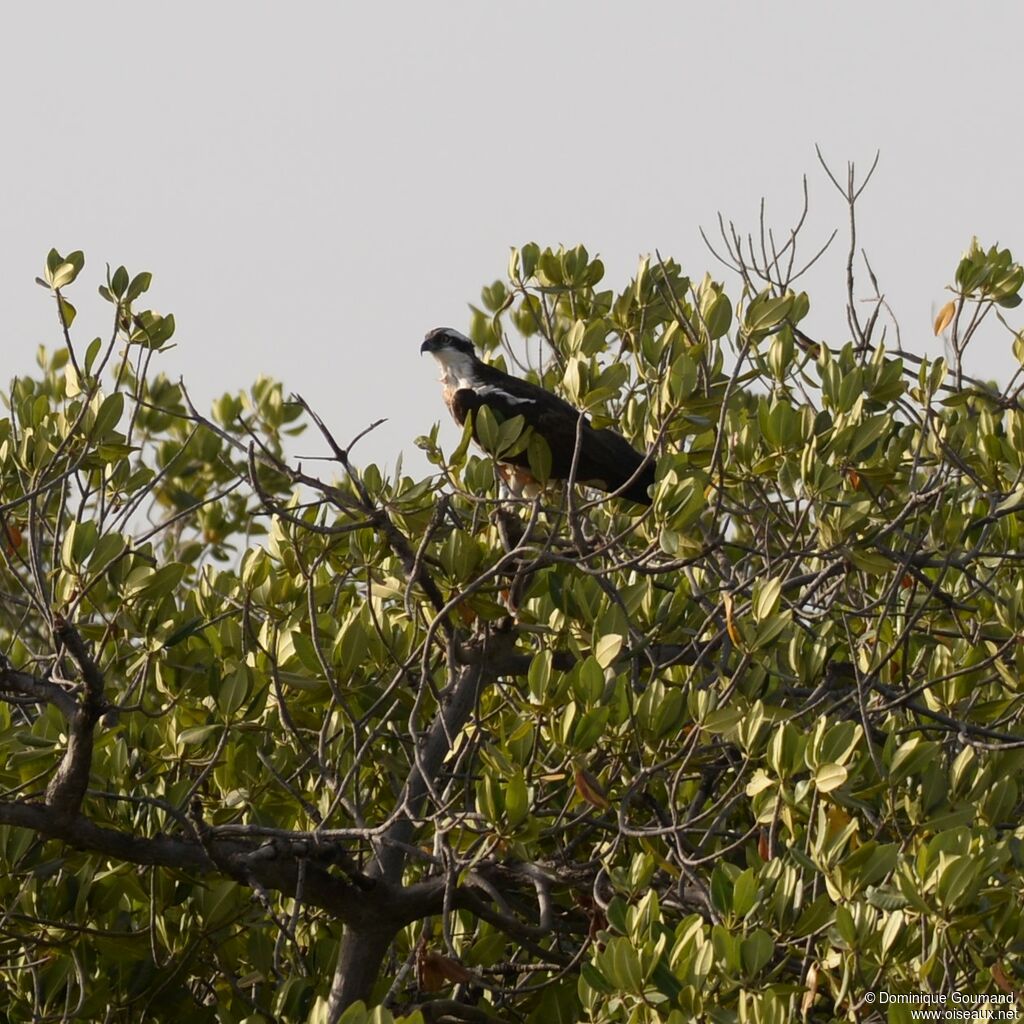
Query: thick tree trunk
[[360, 958], [362, 951]]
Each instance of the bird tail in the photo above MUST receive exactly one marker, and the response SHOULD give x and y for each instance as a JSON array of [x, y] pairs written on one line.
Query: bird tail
[[617, 452], [637, 490]]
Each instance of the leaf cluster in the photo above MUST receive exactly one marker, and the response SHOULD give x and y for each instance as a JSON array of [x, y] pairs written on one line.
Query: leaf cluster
[[750, 754]]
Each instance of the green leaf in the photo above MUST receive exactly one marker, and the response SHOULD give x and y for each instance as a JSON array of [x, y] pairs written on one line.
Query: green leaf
[[911, 757], [65, 273], [508, 433], [829, 777], [184, 631], [718, 316], [108, 416], [767, 311], [1013, 501], [119, 282], [721, 890], [606, 650], [538, 454], [108, 548], [91, 353], [590, 727], [153, 584], [539, 676], [72, 382], [845, 926], [196, 735], [517, 801], [233, 691], [744, 892], [485, 426], [756, 951], [139, 284], [766, 597], [67, 311]]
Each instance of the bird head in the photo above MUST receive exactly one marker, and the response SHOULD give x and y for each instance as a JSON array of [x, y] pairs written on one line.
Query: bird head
[[446, 340]]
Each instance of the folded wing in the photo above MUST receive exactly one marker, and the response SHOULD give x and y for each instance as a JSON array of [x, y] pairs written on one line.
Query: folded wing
[[606, 460]]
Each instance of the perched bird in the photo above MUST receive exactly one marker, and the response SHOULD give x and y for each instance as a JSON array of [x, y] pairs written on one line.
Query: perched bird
[[606, 461]]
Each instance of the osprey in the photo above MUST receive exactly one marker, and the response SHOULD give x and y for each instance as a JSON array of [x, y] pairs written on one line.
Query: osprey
[[606, 461]]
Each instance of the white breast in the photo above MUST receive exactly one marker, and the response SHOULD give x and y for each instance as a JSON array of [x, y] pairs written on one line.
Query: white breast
[[456, 369]]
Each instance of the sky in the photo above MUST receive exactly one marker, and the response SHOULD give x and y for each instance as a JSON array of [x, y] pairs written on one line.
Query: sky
[[315, 185]]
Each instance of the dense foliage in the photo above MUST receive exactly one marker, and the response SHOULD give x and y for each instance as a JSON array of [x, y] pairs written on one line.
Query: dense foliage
[[278, 747]]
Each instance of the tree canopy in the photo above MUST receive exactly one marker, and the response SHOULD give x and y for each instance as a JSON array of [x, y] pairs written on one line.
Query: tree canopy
[[285, 744]]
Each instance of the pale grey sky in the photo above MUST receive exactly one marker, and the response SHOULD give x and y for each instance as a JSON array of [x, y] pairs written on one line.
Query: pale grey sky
[[314, 185]]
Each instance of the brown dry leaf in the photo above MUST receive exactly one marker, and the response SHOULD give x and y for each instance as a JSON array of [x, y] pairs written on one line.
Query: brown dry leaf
[[764, 849], [838, 819], [466, 613], [428, 978], [590, 789], [14, 538], [854, 477], [945, 317], [1000, 978], [730, 622], [811, 992], [435, 971], [598, 922]]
